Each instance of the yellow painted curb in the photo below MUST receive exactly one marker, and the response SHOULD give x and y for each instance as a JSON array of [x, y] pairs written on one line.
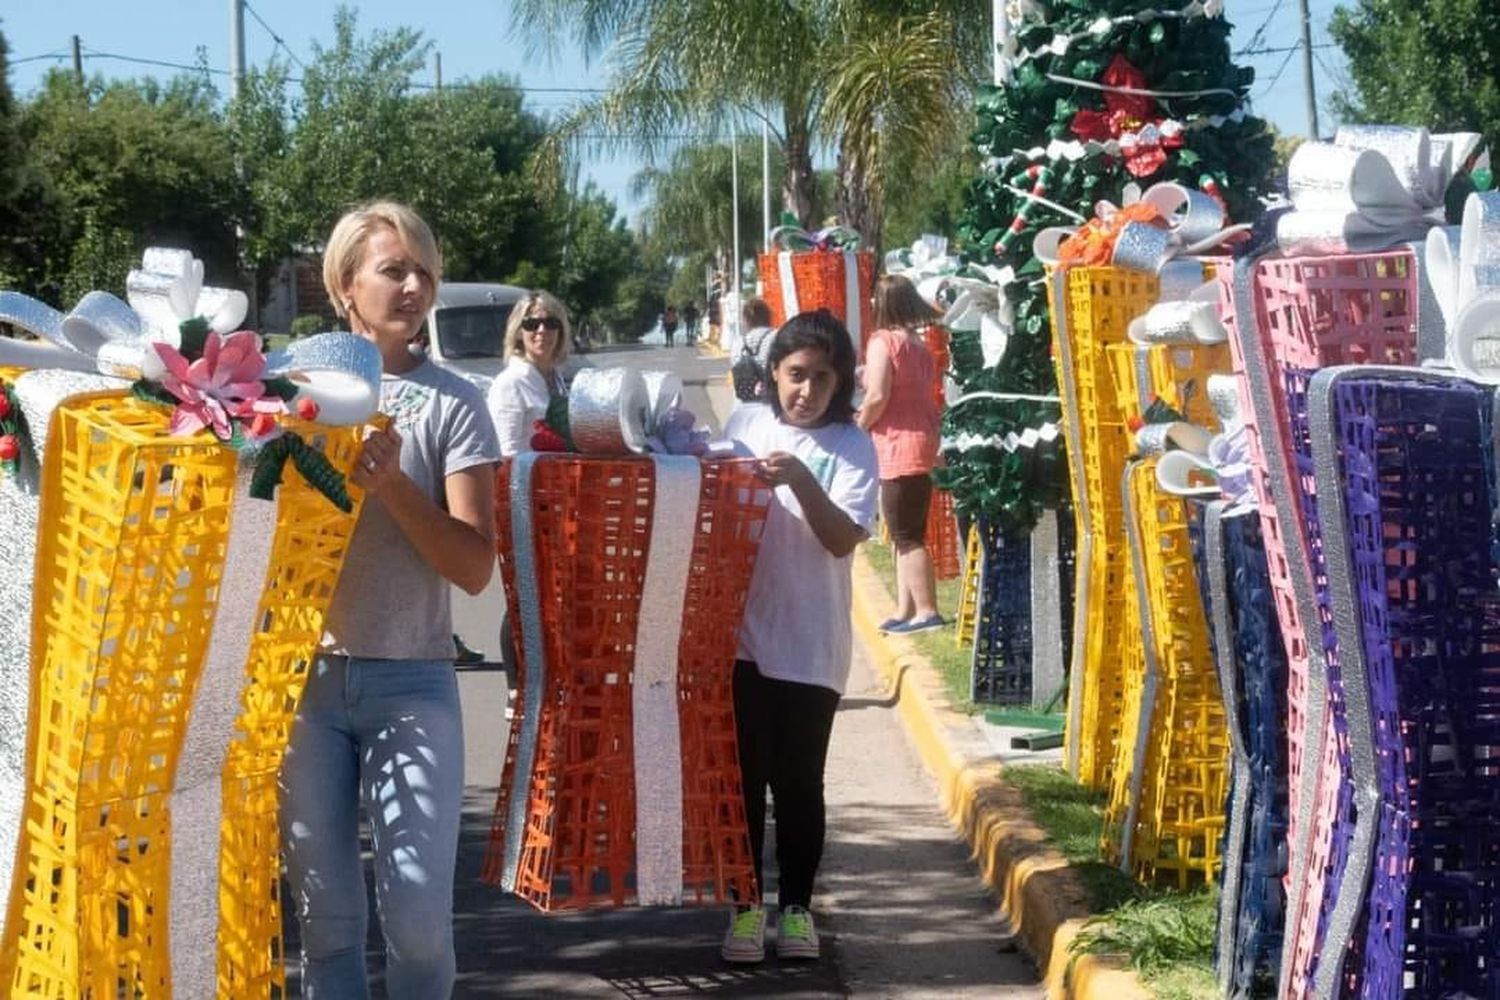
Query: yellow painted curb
[[1041, 897]]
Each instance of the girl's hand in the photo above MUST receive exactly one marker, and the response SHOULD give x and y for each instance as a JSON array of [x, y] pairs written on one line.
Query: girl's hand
[[379, 461], [781, 468]]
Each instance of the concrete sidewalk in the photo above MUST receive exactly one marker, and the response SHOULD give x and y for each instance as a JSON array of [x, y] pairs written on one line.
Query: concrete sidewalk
[[1042, 900]]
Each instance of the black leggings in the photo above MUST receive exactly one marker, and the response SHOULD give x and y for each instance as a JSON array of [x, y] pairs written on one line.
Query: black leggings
[[783, 730]]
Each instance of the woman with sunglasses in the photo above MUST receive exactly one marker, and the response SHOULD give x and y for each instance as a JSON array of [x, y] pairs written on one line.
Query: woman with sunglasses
[[537, 338]]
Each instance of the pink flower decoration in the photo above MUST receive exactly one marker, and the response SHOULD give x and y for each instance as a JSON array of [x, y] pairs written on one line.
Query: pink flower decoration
[[220, 387]]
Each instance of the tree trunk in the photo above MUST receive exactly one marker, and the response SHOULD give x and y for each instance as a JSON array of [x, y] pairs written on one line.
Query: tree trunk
[[799, 188], [860, 199]]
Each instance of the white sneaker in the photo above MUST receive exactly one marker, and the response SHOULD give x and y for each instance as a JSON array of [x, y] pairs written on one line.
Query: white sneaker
[[745, 940], [796, 937]]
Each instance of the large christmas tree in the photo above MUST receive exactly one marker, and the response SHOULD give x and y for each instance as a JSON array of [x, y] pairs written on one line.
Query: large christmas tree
[[1102, 93]]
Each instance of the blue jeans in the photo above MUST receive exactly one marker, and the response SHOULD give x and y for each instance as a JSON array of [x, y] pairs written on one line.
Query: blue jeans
[[386, 735]]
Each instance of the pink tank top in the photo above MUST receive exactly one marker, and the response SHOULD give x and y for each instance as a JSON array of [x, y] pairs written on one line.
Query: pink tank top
[[906, 435]]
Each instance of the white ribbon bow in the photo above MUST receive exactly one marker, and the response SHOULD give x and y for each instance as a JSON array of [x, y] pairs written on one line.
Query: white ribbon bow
[[1463, 270], [1371, 189], [972, 296], [340, 372]]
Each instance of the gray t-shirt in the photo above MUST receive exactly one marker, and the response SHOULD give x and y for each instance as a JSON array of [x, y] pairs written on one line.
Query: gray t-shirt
[[390, 604]]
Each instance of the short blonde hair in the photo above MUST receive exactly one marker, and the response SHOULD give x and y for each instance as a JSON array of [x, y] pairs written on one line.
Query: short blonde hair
[[515, 345], [346, 246]]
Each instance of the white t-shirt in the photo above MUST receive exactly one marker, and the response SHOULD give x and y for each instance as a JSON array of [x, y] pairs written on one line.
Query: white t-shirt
[[796, 625], [517, 398]]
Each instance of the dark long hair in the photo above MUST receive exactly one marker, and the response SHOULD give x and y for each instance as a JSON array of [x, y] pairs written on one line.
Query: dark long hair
[[818, 331]]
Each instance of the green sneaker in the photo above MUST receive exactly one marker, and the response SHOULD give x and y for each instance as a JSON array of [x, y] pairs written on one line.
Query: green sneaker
[[745, 941], [796, 937]]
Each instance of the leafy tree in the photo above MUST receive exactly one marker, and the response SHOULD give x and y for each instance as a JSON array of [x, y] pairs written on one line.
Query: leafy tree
[[690, 200], [129, 164], [23, 194], [1434, 63], [867, 76]]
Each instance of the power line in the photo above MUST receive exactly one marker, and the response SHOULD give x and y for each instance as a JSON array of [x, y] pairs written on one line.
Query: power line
[[1261, 31], [413, 84], [272, 32], [55, 56], [1279, 70], [1277, 50]]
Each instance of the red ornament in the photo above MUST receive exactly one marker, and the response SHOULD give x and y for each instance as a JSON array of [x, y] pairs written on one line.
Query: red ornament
[[1135, 422], [10, 448], [307, 408], [1121, 73], [4, 404], [544, 438], [261, 425]]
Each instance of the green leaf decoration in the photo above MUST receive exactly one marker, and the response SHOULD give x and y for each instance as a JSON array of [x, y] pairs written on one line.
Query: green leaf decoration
[[311, 463], [557, 419], [281, 387], [152, 392], [194, 333]]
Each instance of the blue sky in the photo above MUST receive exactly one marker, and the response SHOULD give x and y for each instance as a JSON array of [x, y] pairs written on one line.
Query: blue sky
[[475, 37]]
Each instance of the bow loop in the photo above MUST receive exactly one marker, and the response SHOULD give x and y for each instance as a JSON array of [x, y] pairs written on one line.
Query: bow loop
[[791, 237], [1371, 189]]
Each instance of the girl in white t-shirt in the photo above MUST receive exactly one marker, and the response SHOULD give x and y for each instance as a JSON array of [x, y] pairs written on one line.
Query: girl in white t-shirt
[[795, 642]]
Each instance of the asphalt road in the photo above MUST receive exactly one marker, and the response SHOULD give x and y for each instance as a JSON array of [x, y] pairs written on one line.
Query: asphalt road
[[900, 908]]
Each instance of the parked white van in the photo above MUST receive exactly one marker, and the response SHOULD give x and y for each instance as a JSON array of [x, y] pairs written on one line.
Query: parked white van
[[466, 328]]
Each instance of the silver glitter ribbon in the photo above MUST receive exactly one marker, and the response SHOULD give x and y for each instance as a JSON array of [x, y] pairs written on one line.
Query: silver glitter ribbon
[[1152, 679], [618, 411], [1371, 189], [1258, 377], [1351, 893], [1195, 224], [534, 654], [1227, 661], [1193, 320], [196, 802], [1072, 750], [654, 700], [608, 409], [1049, 675]]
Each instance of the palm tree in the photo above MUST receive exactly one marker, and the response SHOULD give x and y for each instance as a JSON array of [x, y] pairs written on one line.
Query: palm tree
[[870, 78]]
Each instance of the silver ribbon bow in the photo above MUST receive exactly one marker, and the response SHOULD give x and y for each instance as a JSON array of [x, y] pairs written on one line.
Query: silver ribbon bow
[[1371, 189], [340, 372], [621, 411]]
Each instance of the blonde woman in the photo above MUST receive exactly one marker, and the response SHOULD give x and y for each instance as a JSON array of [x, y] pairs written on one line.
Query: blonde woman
[[537, 336], [902, 417], [379, 727]]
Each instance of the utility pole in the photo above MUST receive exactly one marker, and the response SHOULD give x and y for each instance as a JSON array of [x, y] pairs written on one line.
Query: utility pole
[[1307, 73], [78, 60], [734, 198], [236, 47], [765, 183], [437, 58], [1001, 36]]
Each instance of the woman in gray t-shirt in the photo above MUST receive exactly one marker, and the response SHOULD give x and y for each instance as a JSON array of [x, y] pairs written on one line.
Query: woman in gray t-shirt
[[379, 726]]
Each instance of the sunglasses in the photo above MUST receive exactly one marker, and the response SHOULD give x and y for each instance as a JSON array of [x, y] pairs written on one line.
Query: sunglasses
[[531, 324]]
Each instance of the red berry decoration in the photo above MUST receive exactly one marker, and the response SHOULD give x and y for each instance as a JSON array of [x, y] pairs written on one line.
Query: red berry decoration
[[544, 438], [1135, 422], [10, 448], [307, 408], [5, 406]]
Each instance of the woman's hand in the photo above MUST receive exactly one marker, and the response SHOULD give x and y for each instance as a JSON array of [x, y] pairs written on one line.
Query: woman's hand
[[379, 461]]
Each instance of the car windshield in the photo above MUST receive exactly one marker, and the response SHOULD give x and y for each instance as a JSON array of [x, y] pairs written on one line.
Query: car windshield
[[473, 331]]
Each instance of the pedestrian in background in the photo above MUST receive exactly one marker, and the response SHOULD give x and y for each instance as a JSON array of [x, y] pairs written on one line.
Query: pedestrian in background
[[669, 323], [378, 727], [537, 340], [750, 351], [795, 641], [899, 412], [690, 322]]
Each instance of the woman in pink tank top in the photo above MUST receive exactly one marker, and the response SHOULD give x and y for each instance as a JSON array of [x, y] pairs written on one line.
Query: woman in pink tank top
[[901, 415]]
